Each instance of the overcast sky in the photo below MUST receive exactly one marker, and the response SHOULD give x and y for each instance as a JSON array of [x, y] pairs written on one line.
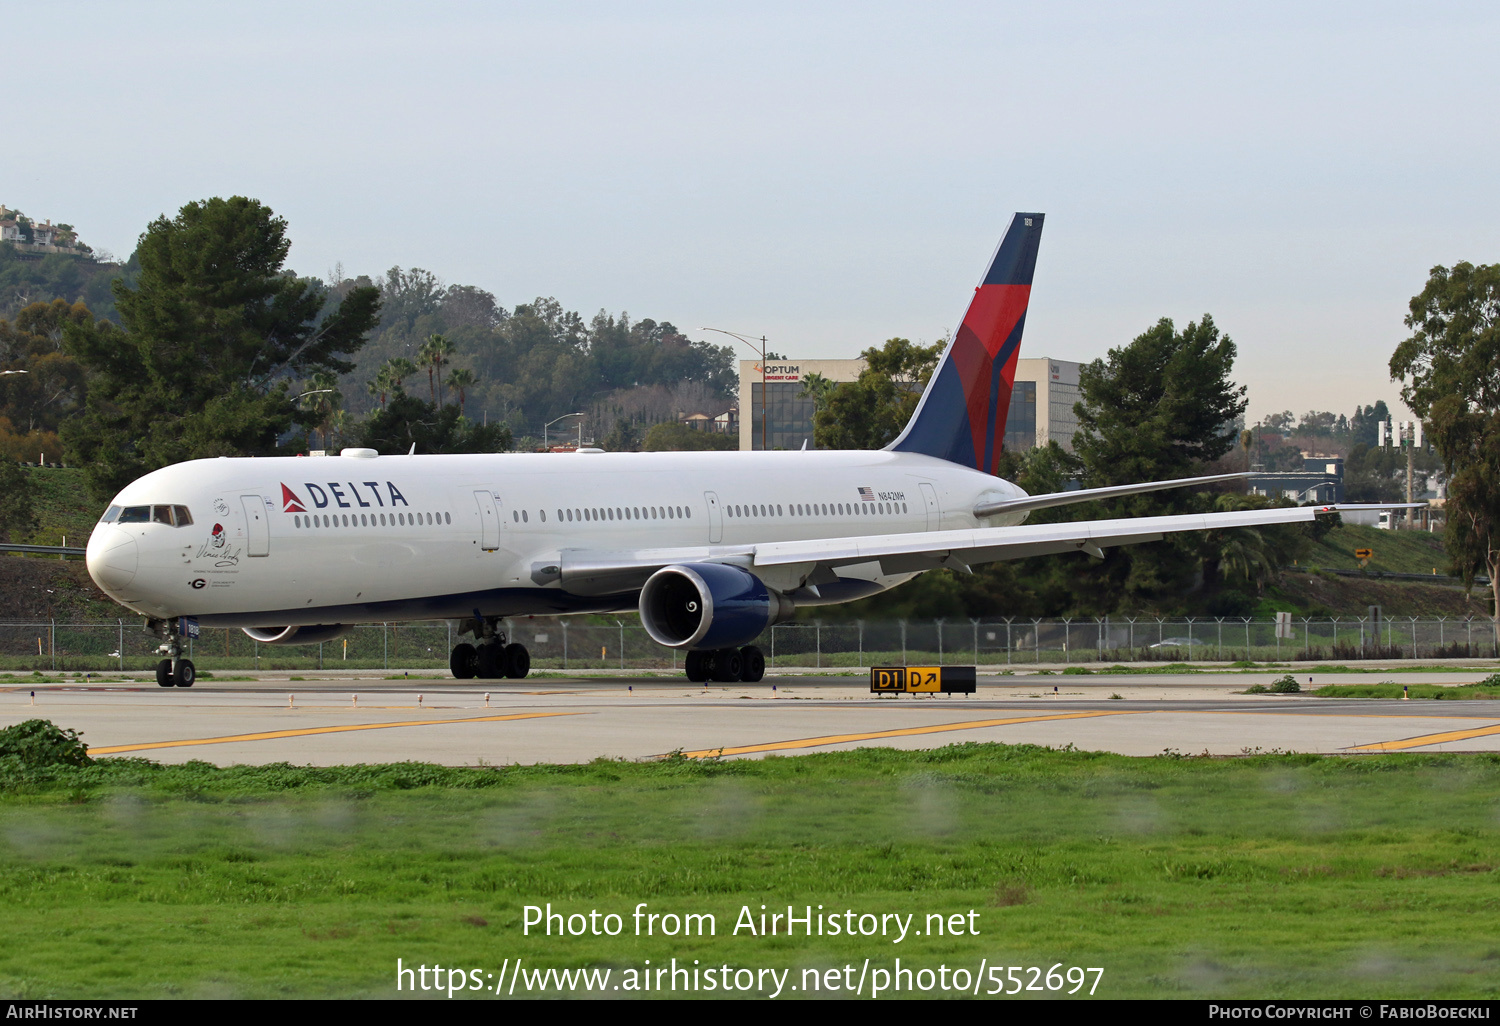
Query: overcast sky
[[829, 175]]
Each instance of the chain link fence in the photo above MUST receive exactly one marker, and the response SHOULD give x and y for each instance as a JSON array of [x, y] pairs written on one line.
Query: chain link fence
[[589, 644]]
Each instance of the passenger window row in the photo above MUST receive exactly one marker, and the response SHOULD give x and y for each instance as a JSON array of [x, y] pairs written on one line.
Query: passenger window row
[[815, 509], [370, 520], [624, 513]]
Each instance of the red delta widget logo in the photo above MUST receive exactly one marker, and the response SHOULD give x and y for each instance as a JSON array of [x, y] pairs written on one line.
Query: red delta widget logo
[[333, 493]]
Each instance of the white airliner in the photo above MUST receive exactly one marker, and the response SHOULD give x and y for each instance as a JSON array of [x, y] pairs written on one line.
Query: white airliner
[[710, 547]]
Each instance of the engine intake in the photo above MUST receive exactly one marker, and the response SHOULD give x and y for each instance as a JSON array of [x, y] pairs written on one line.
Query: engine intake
[[298, 635], [709, 605]]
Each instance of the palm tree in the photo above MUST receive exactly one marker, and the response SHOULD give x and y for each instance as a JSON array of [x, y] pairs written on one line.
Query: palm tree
[[322, 399], [400, 369], [426, 355], [459, 379], [438, 351], [382, 384]]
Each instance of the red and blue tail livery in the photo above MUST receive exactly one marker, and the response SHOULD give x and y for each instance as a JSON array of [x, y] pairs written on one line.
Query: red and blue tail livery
[[961, 417]]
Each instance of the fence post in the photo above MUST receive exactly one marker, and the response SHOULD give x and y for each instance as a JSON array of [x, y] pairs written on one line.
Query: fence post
[[903, 642], [257, 655], [385, 647], [565, 644], [976, 641], [1248, 656], [1220, 655], [1190, 637], [940, 639], [1413, 620], [121, 649], [818, 636], [320, 655], [52, 642], [1067, 636], [773, 647], [861, 644], [1134, 658], [1036, 639], [622, 643]]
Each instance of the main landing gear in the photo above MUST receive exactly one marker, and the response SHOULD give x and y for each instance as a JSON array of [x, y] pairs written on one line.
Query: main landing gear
[[490, 658], [173, 671], [730, 665]]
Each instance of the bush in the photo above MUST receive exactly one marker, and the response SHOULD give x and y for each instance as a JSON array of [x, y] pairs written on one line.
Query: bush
[[34, 744], [1257, 689], [1287, 685]]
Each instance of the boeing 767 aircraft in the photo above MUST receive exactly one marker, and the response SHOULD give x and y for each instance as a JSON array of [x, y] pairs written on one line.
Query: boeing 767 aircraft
[[710, 547]]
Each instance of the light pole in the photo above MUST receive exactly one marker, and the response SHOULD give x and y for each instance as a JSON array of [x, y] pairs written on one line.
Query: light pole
[[762, 351], [549, 423]]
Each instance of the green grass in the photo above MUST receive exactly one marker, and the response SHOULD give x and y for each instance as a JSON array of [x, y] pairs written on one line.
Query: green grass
[[63, 507], [1266, 876], [1390, 689], [1406, 552]]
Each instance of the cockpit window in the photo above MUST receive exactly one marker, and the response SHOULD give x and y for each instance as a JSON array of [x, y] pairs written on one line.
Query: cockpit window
[[169, 515]]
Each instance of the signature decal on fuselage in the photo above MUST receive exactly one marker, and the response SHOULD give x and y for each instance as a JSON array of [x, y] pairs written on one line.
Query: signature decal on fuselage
[[217, 548]]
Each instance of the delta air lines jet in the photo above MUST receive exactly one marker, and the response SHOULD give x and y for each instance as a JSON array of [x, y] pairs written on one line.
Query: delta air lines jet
[[710, 547]]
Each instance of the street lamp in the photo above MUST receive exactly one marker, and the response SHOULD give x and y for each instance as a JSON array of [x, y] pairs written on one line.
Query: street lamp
[[565, 416], [14, 372], [762, 351]]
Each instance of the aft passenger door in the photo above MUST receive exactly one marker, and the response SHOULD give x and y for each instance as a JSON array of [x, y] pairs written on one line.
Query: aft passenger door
[[715, 518], [489, 521], [934, 514]]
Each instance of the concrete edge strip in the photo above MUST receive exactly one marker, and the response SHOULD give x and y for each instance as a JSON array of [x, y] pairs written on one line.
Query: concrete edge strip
[[837, 739], [271, 735]]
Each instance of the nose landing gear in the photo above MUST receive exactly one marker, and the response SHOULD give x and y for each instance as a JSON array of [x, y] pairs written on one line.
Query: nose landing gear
[[173, 671], [490, 658]]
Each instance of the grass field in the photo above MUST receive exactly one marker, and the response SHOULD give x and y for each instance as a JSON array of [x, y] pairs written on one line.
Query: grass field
[[1266, 876]]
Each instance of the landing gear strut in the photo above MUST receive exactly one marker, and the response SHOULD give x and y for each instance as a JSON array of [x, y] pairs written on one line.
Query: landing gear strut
[[173, 671], [490, 658], [729, 665]]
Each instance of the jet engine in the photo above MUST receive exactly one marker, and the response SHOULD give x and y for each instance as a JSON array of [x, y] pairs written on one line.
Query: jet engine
[[311, 635], [709, 606]]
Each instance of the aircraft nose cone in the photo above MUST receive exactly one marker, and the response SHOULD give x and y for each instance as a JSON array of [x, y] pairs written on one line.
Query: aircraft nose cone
[[112, 558]]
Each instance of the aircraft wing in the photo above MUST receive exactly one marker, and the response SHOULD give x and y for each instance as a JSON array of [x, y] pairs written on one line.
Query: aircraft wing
[[1049, 499], [814, 560]]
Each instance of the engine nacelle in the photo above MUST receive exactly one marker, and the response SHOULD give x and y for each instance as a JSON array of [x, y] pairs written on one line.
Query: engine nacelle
[[298, 635], [709, 605]]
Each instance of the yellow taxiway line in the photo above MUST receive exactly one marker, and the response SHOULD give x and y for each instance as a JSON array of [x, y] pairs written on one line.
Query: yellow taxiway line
[[271, 735], [838, 739], [1426, 739]]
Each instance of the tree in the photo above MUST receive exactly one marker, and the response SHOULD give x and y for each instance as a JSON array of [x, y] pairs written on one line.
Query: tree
[[406, 421], [17, 513], [1159, 407], [1156, 409], [870, 411], [215, 333], [1450, 367]]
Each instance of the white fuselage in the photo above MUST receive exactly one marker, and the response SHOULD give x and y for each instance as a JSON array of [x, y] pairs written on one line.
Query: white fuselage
[[347, 539]]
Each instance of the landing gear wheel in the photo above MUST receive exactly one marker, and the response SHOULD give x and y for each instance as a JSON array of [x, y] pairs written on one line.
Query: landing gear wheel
[[164, 674], [727, 665], [752, 664], [517, 661], [461, 661], [697, 667], [186, 674], [487, 662]]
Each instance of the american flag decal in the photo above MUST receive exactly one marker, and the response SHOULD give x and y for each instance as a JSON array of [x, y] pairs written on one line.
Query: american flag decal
[[867, 494]]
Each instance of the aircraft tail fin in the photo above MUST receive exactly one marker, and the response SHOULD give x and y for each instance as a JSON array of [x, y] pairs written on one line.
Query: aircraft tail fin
[[961, 416]]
